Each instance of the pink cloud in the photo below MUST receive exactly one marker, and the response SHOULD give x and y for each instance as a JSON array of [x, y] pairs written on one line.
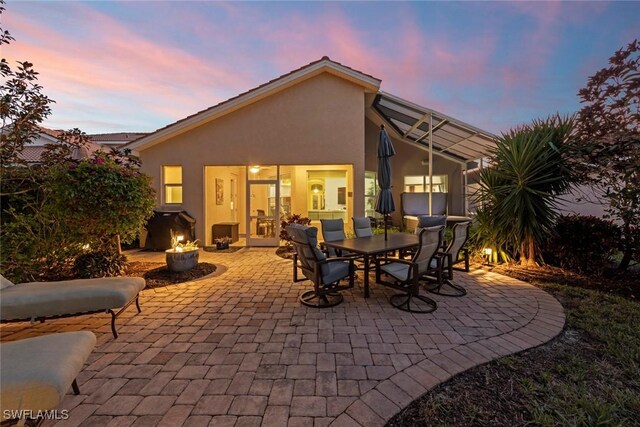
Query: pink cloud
[[111, 69]]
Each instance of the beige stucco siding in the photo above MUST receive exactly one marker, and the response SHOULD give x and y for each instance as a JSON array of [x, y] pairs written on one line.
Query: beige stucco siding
[[408, 161], [318, 121]]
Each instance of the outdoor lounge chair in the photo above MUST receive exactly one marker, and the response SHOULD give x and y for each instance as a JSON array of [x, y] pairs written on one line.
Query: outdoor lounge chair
[[38, 301], [406, 274], [452, 257], [36, 373], [325, 273]]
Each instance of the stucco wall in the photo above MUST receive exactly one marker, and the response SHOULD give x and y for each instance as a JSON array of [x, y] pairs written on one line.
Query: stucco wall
[[318, 121], [408, 161]]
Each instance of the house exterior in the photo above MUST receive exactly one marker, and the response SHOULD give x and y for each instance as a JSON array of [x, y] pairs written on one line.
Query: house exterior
[[32, 152], [304, 143]]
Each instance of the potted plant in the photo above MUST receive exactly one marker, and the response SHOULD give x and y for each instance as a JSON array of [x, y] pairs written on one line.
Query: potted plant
[[182, 256], [222, 242]]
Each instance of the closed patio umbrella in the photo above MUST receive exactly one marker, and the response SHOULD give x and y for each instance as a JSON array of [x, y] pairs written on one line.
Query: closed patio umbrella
[[384, 203]]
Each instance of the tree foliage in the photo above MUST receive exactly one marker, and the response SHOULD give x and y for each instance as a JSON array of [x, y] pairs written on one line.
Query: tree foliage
[[518, 192], [51, 210], [23, 106], [607, 150], [101, 199]]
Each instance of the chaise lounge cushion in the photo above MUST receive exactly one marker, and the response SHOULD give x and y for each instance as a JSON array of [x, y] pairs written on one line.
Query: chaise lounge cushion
[[37, 372], [44, 299]]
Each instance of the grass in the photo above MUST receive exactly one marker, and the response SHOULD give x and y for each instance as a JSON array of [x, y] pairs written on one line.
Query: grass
[[588, 376]]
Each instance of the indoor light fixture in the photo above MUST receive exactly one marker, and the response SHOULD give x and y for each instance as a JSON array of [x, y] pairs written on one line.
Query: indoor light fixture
[[254, 169], [316, 188]]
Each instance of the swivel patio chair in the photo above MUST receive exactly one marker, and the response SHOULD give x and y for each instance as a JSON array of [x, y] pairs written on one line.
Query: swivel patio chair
[[426, 221], [325, 273], [406, 274], [452, 257]]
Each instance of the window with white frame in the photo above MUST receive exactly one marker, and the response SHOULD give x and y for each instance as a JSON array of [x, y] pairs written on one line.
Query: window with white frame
[[172, 181], [420, 184]]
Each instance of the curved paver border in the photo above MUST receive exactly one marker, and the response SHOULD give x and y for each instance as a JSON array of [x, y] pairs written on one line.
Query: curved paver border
[[390, 396]]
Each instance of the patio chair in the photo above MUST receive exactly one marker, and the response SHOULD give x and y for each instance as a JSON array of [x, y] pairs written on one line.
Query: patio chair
[[362, 226], [325, 273], [452, 257], [406, 274], [332, 230], [426, 221]]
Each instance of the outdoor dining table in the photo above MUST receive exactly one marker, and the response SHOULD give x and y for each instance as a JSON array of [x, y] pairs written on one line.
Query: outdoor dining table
[[369, 247]]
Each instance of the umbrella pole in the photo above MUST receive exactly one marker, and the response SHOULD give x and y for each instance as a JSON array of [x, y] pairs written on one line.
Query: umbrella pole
[[385, 226]]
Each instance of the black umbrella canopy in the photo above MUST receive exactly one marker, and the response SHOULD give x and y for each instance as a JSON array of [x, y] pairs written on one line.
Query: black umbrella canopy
[[384, 203]]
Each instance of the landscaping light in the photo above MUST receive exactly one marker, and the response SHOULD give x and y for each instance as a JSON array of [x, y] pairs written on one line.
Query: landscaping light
[[179, 238], [86, 247], [488, 252]]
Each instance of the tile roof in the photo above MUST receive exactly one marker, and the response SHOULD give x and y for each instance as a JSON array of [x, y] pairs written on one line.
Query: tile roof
[[117, 136]]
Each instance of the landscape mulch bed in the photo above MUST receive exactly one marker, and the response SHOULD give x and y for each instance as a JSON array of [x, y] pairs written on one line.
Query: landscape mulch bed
[[625, 284], [157, 275]]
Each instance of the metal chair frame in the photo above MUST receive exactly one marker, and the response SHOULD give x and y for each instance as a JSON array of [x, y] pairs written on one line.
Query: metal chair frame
[[411, 286], [326, 294]]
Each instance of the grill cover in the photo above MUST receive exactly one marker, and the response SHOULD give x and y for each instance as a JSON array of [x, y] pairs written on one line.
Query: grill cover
[[162, 222]]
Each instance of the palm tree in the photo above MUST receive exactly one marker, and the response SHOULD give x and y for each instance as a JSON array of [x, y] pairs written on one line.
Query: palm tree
[[518, 192]]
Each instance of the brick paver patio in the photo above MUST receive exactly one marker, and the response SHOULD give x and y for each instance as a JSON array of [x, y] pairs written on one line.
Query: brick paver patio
[[239, 349]]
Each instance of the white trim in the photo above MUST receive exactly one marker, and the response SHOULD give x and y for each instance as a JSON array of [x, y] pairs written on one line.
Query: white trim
[[369, 83]]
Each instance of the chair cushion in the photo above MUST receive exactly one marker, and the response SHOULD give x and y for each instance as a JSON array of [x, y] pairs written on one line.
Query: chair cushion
[[362, 227], [335, 271], [43, 299], [398, 270], [37, 372], [332, 229]]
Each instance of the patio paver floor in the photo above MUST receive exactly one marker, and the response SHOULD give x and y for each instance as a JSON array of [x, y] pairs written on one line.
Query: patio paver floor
[[239, 349]]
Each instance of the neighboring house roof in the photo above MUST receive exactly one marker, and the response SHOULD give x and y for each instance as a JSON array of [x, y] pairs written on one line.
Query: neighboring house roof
[[32, 152], [117, 137], [370, 84]]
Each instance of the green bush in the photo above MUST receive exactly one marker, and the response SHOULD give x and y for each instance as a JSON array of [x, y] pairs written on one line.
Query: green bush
[[582, 243], [99, 263]]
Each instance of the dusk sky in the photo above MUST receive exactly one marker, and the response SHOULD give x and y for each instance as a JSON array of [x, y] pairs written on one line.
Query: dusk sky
[[138, 66]]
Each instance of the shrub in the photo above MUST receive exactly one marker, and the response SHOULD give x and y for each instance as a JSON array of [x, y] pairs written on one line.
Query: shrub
[[291, 219], [582, 243], [99, 263], [101, 199]]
